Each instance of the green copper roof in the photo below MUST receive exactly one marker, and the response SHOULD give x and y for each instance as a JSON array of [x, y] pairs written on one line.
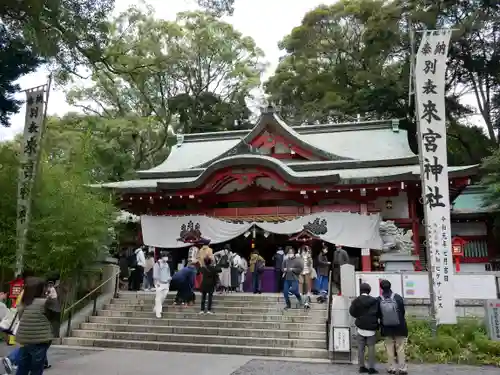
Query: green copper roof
[[373, 140], [344, 176], [470, 201]]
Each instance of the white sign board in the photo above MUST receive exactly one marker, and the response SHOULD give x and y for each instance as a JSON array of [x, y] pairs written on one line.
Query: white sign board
[[29, 155], [493, 319], [373, 279], [415, 285], [430, 72], [341, 339]]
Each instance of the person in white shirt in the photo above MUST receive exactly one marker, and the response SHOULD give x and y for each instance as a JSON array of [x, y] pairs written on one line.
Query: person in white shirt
[[138, 273], [365, 310], [244, 269], [161, 277]]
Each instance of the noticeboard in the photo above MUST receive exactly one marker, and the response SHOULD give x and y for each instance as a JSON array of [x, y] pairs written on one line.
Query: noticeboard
[[493, 318], [341, 339]]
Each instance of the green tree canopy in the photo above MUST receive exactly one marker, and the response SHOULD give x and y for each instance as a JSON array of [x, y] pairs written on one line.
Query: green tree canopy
[[353, 58], [70, 223], [197, 69], [17, 60], [116, 148], [66, 33]]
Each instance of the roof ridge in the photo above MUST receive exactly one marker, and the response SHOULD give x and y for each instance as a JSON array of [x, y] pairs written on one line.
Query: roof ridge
[[301, 129]]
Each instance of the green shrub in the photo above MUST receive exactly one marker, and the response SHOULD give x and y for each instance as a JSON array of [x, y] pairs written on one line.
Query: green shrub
[[463, 343]]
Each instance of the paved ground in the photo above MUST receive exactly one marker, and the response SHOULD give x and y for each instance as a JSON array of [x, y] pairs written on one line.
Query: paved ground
[[132, 362], [265, 367]]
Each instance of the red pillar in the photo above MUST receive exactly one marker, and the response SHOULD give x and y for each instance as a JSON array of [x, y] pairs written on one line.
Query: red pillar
[[415, 225], [366, 259]]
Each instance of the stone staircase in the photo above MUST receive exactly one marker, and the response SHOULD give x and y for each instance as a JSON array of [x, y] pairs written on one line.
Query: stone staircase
[[244, 324]]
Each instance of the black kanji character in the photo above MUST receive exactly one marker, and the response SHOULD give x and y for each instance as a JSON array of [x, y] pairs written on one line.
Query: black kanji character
[[30, 100], [24, 190], [430, 66], [34, 112], [33, 127], [430, 112], [446, 278], [39, 99], [440, 48], [434, 197], [426, 49], [434, 169], [21, 214], [31, 145], [429, 87], [28, 169]]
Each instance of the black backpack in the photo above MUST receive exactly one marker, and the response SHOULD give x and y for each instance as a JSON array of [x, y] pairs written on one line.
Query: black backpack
[[132, 261], [224, 261]]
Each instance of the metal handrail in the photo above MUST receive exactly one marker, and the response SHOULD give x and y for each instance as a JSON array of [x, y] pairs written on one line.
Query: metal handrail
[[93, 293], [328, 322]]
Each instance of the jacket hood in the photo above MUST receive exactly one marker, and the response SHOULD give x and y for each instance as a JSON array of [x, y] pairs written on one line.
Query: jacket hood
[[280, 252], [367, 301]]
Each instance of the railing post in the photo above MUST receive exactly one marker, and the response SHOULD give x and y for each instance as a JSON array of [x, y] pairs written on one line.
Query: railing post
[[329, 307], [117, 285], [94, 308], [68, 328]]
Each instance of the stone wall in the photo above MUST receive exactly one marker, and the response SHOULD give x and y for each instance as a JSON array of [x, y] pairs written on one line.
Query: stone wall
[[465, 308]]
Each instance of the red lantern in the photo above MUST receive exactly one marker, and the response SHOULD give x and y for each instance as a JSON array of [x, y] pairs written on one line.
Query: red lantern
[[16, 287], [457, 250]]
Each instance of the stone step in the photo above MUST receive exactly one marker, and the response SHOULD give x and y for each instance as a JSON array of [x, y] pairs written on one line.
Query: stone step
[[225, 303], [193, 314], [198, 348], [244, 297], [206, 339], [203, 330], [218, 308], [215, 322]]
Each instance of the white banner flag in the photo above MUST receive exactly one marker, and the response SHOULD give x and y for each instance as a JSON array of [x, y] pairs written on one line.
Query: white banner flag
[[430, 71], [30, 154]]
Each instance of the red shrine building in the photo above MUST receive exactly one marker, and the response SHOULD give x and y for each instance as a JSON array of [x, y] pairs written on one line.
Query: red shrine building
[[275, 172]]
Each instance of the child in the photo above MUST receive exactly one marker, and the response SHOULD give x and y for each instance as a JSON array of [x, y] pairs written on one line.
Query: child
[[365, 309]]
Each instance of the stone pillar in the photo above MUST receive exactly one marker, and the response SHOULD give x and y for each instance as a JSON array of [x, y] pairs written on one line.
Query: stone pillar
[[110, 269], [366, 259]]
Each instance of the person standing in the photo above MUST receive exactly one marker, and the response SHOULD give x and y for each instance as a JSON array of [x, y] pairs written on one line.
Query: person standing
[[223, 259], [138, 273], [292, 268], [365, 310], [35, 332], [236, 271], [244, 269], [210, 274], [340, 257], [323, 269], [148, 282], [161, 279], [257, 264], [393, 327], [278, 259], [305, 276]]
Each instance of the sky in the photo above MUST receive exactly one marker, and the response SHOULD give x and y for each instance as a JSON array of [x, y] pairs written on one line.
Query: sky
[[266, 21]]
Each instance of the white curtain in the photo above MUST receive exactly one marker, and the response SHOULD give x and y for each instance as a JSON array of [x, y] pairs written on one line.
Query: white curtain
[[342, 228]]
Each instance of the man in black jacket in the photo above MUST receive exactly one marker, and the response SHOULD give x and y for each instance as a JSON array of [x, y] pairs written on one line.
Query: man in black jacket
[[365, 309]]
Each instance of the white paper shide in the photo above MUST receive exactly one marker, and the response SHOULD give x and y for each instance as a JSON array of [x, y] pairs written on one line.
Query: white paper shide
[[430, 70], [30, 153]]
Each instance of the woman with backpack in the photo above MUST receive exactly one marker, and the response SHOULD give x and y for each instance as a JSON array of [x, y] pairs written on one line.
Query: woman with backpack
[[257, 264], [393, 328]]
